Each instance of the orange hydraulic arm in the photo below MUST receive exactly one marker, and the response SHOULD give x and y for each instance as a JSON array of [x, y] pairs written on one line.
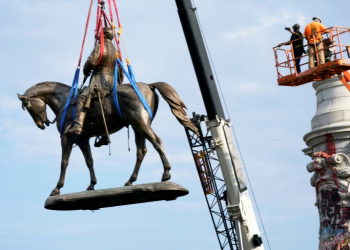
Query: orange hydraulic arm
[[345, 79]]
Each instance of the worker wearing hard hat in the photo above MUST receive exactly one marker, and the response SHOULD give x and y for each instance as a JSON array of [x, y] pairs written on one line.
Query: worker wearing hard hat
[[313, 33], [298, 44]]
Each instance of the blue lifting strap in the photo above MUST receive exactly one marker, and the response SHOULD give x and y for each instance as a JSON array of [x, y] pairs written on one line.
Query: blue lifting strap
[[74, 89], [115, 96], [133, 84], [131, 73]]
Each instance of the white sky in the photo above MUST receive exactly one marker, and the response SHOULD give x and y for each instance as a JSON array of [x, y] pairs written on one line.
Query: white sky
[[40, 41]]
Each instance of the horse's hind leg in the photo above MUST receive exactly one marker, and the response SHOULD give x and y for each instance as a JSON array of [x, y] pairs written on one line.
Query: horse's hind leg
[[141, 152], [86, 150], [149, 134], [66, 144]]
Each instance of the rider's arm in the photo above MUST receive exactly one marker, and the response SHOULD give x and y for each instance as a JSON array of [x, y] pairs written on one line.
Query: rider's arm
[[92, 60]]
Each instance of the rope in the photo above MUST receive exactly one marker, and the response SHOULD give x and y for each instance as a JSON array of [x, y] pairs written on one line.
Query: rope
[[124, 46], [111, 24], [86, 27], [240, 153], [102, 43], [116, 11], [98, 27], [117, 43], [106, 19], [110, 10], [97, 21]]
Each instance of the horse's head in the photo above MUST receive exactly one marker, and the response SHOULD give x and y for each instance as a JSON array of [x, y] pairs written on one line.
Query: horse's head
[[36, 108]]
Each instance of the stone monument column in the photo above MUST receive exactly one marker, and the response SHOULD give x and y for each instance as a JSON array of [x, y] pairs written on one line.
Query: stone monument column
[[329, 146]]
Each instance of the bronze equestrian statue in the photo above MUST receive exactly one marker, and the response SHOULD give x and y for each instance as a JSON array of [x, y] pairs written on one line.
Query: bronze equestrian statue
[[55, 94], [77, 131]]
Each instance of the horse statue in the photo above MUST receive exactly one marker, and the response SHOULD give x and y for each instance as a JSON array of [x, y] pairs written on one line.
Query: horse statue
[[55, 94]]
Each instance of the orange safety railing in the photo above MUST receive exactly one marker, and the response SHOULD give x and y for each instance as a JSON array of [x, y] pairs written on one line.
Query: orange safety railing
[[337, 58]]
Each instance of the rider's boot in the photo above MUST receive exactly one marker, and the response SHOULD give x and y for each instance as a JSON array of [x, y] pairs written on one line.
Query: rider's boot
[[79, 119]]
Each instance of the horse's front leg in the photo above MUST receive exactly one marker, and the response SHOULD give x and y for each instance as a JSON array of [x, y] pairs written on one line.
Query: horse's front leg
[[141, 152], [86, 150], [66, 143]]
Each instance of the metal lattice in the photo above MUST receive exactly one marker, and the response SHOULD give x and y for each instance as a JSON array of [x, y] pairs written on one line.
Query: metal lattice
[[213, 185]]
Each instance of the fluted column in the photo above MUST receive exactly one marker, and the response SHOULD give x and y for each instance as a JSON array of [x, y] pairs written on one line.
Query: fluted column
[[329, 146]]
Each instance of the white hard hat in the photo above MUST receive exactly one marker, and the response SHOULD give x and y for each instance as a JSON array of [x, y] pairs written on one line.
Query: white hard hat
[[317, 18]]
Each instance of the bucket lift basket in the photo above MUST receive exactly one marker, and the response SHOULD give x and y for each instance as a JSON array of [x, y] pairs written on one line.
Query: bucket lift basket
[[337, 60]]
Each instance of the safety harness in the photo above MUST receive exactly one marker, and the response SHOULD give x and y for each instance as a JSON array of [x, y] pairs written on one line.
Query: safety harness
[[301, 40], [314, 33]]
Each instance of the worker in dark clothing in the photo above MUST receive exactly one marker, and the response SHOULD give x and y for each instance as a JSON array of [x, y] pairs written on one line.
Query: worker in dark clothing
[[298, 45]]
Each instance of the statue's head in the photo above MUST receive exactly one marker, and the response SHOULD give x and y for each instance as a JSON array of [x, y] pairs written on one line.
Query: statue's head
[[36, 108], [108, 33]]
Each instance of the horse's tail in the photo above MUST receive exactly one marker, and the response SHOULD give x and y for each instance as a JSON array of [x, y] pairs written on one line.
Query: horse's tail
[[176, 105]]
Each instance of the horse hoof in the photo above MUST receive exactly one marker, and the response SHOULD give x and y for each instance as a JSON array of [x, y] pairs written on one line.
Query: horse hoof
[[166, 176], [129, 183], [55, 192], [90, 188]]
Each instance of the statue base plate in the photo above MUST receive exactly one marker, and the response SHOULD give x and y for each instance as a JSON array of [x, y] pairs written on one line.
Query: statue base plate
[[111, 197]]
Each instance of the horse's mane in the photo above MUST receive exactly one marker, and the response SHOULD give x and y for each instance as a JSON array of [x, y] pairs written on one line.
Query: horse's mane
[[33, 89], [47, 82]]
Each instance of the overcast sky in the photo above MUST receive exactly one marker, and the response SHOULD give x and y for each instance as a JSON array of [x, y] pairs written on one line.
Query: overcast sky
[[40, 41]]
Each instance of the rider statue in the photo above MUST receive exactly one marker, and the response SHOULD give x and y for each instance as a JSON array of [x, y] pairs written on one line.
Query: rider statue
[[102, 78]]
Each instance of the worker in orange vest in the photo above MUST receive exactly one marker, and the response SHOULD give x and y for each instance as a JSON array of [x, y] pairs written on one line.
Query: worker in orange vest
[[313, 33]]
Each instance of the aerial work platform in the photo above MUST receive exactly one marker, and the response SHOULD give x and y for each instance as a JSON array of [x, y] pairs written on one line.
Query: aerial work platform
[[337, 60]]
